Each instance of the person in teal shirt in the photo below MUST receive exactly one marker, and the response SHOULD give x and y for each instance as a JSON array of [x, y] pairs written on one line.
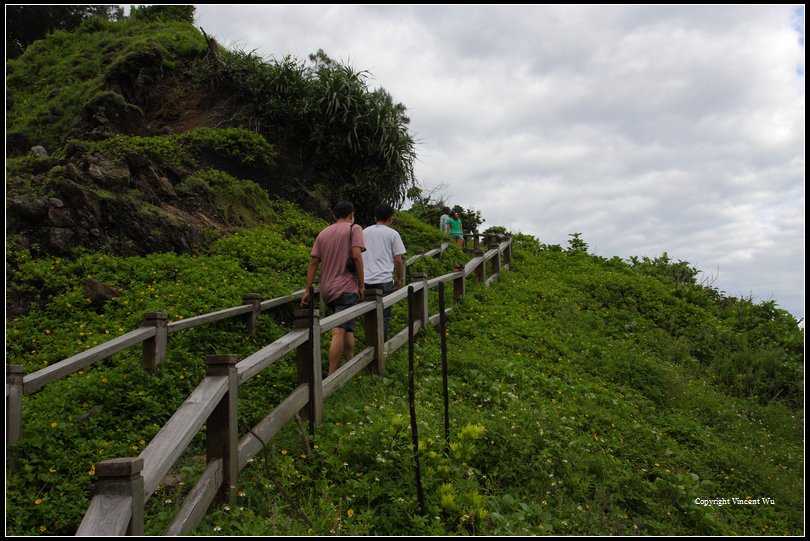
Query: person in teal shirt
[[456, 232]]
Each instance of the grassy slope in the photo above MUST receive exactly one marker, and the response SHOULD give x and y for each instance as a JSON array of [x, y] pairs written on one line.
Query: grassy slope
[[114, 408], [52, 84], [568, 417], [573, 411]]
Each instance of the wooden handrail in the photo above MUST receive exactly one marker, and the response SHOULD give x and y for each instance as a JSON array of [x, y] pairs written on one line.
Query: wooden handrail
[[255, 363], [434, 282], [198, 500], [472, 264], [279, 301], [106, 516], [347, 371], [36, 380], [40, 378], [170, 442], [249, 446], [330, 322], [211, 317], [436, 251]]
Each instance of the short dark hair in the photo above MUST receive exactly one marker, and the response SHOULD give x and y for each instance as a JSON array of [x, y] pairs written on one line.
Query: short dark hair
[[343, 209], [446, 210], [383, 212]]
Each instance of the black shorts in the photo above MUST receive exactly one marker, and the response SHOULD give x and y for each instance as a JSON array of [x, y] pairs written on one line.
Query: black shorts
[[344, 301]]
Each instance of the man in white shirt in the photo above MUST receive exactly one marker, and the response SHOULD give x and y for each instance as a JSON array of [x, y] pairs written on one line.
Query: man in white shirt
[[383, 263]]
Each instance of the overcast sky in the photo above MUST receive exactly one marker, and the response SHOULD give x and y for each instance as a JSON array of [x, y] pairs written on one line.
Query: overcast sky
[[647, 129]]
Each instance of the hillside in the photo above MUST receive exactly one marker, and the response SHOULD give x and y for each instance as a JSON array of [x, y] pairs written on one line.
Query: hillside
[[586, 399], [588, 395], [135, 136]]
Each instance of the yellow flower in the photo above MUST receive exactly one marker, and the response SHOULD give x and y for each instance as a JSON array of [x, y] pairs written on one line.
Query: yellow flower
[[92, 470], [142, 442], [54, 424], [37, 501], [284, 451], [350, 512], [52, 470], [42, 529]]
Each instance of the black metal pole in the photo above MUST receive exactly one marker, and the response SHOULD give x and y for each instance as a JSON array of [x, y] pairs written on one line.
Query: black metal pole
[[443, 341], [312, 367], [411, 402]]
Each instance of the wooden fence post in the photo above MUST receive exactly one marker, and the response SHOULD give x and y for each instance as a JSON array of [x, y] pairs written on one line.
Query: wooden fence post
[[507, 254], [122, 476], [459, 284], [221, 434], [421, 300], [14, 395], [480, 270], [476, 241], [310, 370], [154, 349], [416, 257], [254, 300], [496, 261], [375, 336]]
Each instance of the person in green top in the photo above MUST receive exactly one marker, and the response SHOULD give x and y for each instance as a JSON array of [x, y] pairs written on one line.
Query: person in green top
[[456, 232]]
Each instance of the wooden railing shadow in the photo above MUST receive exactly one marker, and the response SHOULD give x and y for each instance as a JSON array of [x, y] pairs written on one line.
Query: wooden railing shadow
[[126, 484]]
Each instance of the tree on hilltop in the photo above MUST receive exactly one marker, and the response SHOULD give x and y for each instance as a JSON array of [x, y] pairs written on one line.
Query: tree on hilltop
[[28, 23]]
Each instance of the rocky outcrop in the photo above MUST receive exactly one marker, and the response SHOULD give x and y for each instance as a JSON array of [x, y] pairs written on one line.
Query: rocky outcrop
[[125, 206], [98, 293]]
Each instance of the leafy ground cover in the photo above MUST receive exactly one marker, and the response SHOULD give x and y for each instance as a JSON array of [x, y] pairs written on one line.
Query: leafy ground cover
[[114, 408], [587, 396], [568, 418]]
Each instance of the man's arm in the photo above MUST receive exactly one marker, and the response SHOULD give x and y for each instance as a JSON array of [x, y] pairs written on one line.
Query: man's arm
[[399, 271], [357, 254], [311, 270]]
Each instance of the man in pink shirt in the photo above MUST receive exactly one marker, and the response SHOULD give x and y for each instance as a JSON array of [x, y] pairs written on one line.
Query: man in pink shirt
[[341, 288]]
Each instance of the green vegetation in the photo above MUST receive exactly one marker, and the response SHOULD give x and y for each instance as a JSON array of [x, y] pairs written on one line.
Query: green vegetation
[[28, 23], [588, 396], [355, 140], [56, 87], [337, 138]]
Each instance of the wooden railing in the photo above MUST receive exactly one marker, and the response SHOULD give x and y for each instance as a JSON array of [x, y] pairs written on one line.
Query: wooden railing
[[126, 484], [154, 337]]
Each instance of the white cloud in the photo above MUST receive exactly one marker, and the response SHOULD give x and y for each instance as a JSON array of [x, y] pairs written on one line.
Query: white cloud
[[646, 128]]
